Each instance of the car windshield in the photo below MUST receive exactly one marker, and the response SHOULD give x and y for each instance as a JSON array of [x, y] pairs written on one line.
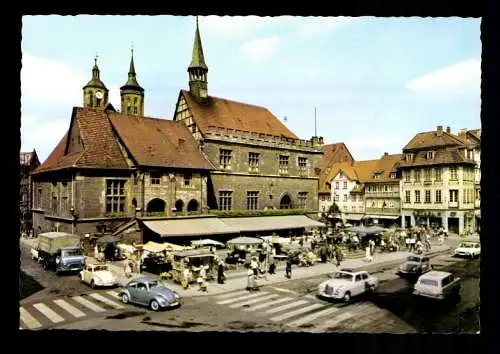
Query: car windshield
[[340, 275], [413, 259], [100, 268], [72, 252], [431, 282]]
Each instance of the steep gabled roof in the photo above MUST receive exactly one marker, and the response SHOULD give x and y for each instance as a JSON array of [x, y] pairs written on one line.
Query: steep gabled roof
[[364, 169], [333, 154], [224, 113], [442, 156], [159, 142], [150, 141]]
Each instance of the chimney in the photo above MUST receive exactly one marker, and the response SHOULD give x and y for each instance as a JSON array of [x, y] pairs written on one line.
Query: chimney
[[448, 130], [439, 130]]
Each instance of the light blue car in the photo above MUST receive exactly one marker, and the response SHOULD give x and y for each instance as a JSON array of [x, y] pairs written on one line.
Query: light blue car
[[149, 292]]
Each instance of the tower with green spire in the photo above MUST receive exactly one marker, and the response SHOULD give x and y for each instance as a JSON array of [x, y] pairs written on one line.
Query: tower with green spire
[[132, 94], [198, 84], [95, 93]]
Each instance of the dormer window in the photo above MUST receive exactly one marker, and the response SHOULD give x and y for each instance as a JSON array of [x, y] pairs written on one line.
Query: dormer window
[[409, 157], [393, 175], [341, 174], [430, 155], [376, 176]]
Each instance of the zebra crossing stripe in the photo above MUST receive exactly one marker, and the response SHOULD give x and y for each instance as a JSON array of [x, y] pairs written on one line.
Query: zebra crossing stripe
[[114, 293], [88, 304], [313, 316], [69, 308], [287, 306], [249, 302], [296, 312], [366, 319], [225, 296], [267, 304], [107, 301], [336, 320], [229, 301], [47, 312], [28, 320]]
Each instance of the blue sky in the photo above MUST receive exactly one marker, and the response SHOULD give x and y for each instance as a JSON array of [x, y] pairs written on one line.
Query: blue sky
[[375, 82]]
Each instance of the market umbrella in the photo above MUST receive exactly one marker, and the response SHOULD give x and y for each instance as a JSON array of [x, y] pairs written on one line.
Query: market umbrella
[[245, 241], [206, 242], [364, 230]]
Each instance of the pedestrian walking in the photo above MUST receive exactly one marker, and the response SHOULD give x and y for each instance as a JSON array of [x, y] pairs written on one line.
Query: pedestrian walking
[[128, 269], [368, 255], [288, 269], [220, 273], [202, 279], [185, 278], [250, 279]]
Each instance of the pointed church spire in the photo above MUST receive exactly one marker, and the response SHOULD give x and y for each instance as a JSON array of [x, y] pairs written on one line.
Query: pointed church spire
[[198, 60], [198, 82], [132, 94]]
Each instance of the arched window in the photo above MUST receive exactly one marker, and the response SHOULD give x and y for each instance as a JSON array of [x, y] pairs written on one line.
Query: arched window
[[91, 99], [286, 202], [179, 205], [192, 205], [156, 205]]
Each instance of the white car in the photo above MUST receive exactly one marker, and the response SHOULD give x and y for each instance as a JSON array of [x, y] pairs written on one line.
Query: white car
[[96, 274], [471, 249], [347, 283], [437, 285]]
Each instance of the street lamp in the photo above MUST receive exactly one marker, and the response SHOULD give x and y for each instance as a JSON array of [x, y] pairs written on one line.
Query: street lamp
[[73, 215]]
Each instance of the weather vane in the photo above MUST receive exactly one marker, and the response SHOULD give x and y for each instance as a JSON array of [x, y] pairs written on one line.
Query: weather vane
[[96, 57], [132, 48]]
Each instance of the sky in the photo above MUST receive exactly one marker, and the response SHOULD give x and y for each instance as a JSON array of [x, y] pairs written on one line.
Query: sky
[[374, 82]]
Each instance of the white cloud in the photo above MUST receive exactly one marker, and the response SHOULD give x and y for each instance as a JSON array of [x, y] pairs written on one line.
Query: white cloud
[[260, 49], [50, 81], [43, 136], [322, 25], [237, 26], [462, 77]]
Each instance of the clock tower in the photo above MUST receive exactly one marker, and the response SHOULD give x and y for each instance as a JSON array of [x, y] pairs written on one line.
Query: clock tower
[[95, 93]]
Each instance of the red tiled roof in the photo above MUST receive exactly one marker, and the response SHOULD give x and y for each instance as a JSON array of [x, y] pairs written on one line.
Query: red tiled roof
[[57, 160], [221, 112], [386, 165], [151, 141], [442, 156], [159, 142], [432, 139], [364, 169]]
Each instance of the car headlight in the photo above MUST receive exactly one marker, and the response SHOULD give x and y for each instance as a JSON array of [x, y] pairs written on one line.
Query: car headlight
[[177, 296], [339, 289]]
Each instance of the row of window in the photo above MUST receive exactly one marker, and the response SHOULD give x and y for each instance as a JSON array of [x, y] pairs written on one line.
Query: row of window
[[156, 177], [383, 188], [467, 197], [226, 200], [225, 161], [346, 197], [427, 174]]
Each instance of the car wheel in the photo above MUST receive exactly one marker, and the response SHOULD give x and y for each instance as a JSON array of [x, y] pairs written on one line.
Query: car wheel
[[125, 298], [154, 305], [92, 284], [372, 288], [347, 296]]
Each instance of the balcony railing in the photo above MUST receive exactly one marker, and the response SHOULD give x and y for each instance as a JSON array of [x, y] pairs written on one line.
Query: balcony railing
[[382, 194], [452, 204]]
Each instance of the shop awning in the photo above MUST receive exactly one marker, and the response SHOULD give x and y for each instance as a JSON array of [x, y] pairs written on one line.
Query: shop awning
[[189, 227], [355, 217], [268, 223], [390, 217]]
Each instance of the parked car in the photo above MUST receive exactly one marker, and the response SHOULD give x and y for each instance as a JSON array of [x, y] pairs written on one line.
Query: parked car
[[96, 274], [471, 249], [149, 292], [415, 265], [347, 283], [437, 285]]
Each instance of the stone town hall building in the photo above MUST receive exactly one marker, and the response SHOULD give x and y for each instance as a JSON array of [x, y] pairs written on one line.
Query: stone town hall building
[[113, 167]]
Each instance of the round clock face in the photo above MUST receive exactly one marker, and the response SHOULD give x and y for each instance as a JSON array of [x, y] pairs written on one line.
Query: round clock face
[[99, 94]]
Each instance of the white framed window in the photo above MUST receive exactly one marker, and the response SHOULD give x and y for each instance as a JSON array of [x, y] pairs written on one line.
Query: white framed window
[[283, 164], [225, 158], [225, 200], [252, 200], [438, 197]]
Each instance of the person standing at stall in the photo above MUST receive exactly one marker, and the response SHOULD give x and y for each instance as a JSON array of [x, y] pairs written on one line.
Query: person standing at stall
[[220, 272]]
